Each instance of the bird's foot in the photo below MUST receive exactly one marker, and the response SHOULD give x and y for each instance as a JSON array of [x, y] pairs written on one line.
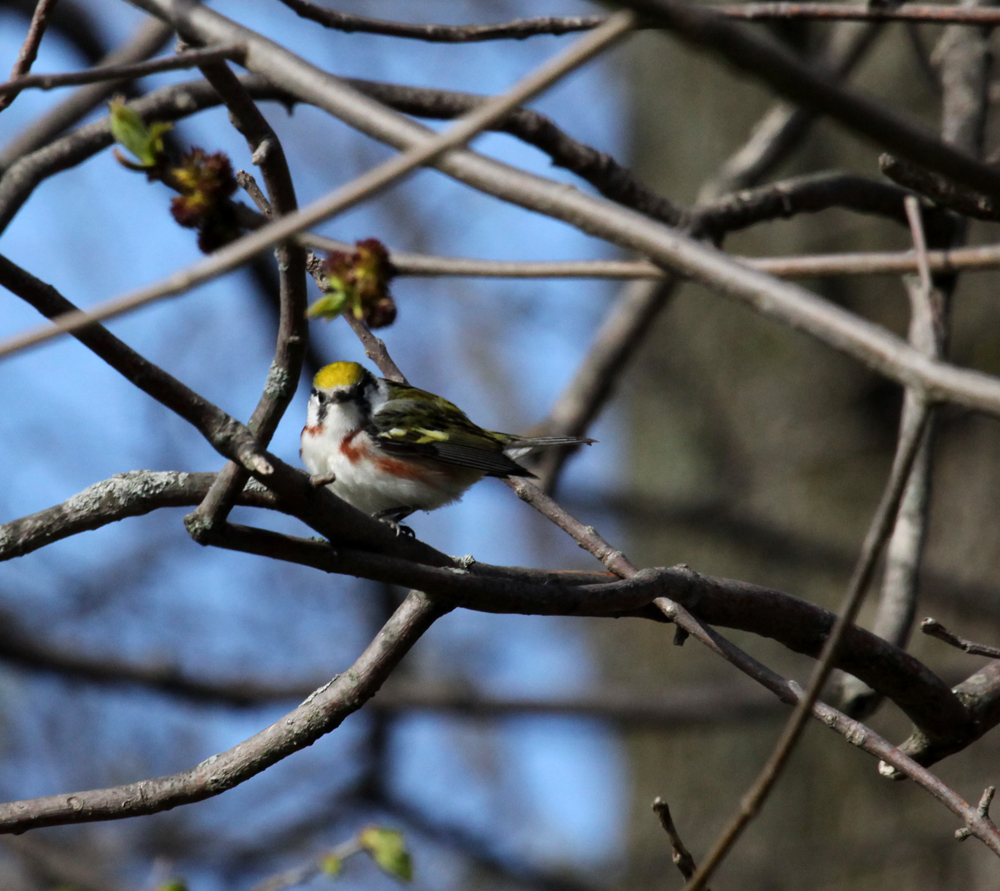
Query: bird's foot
[[392, 519], [322, 479], [399, 528]]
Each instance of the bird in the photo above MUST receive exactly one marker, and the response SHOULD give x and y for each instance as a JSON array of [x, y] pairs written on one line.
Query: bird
[[390, 449]]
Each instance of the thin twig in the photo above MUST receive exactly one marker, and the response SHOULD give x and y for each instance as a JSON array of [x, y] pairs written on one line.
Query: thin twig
[[120, 73], [375, 349], [933, 628], [881, 526], [519, 29], [587, 537], [293, 330], [29, 49], [910, 12], [150, 38], [681, 856]]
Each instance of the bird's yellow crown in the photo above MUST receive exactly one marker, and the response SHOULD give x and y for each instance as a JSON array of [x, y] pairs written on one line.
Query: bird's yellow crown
[[338, 374]]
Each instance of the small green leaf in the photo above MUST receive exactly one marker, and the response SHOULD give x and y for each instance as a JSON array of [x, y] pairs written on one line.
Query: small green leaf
[[174, 885], [388, 849], [331, 864], [145, 142], [329, 306]]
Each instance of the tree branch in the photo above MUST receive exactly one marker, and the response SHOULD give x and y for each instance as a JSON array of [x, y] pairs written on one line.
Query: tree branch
[[322, 712], [293, 329], [29, 49], [120, 73]]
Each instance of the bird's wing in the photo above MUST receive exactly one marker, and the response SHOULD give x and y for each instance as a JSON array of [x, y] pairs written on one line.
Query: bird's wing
[[447, 436]]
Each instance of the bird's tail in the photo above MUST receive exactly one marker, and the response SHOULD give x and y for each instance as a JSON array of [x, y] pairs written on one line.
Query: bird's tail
[[518, 446]]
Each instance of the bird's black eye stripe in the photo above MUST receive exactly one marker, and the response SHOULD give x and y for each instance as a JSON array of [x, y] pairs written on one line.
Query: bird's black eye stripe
[[355, 393]]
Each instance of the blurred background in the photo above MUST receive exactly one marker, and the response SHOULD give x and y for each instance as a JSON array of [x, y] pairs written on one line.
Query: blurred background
[[733, 445]]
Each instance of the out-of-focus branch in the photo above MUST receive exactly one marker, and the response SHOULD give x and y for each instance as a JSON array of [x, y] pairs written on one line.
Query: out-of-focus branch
[[784, 125], [29, 49], [148, 40], [898, 600], [322, 712], [596, 376], [765, 59]]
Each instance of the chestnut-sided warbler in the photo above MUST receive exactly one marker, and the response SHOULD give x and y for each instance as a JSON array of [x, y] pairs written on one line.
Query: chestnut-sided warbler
[[390, 449]]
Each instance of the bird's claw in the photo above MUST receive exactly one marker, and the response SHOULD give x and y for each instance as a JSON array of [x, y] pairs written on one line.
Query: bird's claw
[[399, 528], [322, 479]]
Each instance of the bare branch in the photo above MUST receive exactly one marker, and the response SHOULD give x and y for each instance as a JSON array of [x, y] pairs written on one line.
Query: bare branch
[[784, 125], [520, 29], [586, 537], [854, 732], [612, 179], [910, 440], [811, 193], [682, 856], [149, 39], [322, 712], [898, 600], [778, 67], [347, 196], [375, 349], [224, 433], [933, 628], [940, 189], [911, 12], [293, 330], [120, 73], [29, 49], [517, 29]]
